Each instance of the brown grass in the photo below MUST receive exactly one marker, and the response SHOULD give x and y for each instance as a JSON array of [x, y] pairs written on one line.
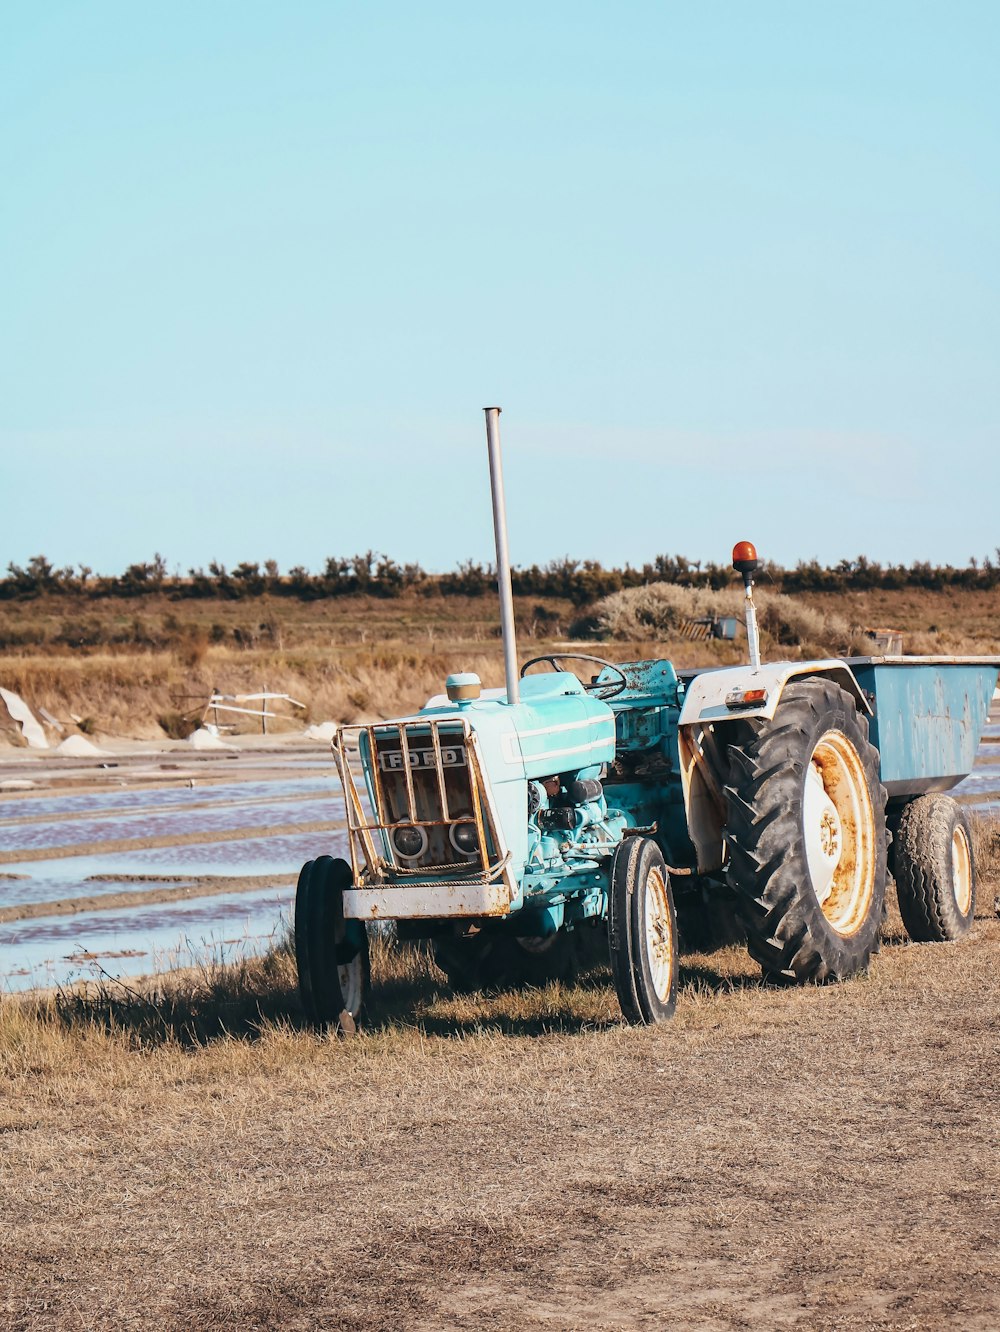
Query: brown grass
[[660, 610], [985, 829], [362, 656], [182, 1153], [148, 695]]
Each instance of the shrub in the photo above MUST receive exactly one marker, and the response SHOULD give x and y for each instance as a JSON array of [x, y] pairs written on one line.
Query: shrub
[[176, 725], [661, 610]]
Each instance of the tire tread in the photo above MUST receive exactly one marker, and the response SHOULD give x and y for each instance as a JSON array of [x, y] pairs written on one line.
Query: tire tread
[[319, 942], [922, 864], [786, 930]]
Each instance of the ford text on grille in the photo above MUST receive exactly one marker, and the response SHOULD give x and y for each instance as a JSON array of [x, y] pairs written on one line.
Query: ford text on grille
[[391, 760]]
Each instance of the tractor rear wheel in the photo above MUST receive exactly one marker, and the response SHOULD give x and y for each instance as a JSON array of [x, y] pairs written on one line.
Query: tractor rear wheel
[[807, 836], [331, 953], [642, 933], [934, 869]]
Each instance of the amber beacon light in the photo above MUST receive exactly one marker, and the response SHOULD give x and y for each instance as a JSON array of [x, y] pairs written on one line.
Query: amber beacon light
[[745, 557], [745, 563]]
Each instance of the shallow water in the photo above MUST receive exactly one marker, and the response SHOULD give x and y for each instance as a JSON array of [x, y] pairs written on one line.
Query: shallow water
[[217, 817], [50, 888], [251, 855], [26, 806], [984, 778], [49, 950], [57, 950]]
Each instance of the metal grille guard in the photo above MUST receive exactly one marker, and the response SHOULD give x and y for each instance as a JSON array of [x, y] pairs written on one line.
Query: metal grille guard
[[373, 870]]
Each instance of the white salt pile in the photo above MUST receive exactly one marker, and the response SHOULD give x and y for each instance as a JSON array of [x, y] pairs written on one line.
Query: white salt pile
[[20, 713], [78, 746], [203, 739], [324, 731]]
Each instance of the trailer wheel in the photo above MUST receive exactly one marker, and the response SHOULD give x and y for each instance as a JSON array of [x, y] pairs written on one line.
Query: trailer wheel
[[935, 870], [807, 836], [331, 953], [642, 933], [491, 960]]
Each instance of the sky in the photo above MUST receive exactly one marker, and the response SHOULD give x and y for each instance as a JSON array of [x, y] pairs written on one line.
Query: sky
[[732, 270]]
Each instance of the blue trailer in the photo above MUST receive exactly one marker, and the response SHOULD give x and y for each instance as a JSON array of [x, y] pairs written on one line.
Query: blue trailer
[[510, 826]]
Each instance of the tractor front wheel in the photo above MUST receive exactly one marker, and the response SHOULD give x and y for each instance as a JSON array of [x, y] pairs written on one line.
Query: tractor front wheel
[[807, 837], [642, 933], [934, 869], [331, 953]]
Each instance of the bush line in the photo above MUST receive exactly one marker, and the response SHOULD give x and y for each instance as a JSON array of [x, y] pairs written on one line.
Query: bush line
[[373, 574]]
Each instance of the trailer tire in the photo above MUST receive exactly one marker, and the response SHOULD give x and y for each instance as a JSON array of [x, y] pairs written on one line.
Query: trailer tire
[[331, 953], [807, 836], [642, 933], [935, 870], [491, 960]]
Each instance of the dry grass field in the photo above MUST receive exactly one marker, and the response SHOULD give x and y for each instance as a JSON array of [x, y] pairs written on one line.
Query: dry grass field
[[130, 668], [185, 1155], [182, 1153]]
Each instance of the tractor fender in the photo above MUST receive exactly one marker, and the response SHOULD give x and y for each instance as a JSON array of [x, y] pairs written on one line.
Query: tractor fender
[[705, 694], [704, 710]]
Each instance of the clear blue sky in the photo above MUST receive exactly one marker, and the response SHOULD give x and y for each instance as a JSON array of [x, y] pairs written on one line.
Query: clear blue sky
[[731, 269]]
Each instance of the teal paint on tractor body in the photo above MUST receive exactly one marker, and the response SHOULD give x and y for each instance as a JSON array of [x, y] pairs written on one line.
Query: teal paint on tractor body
[[626, 746], [618, 765], [645, 778], [556, 727]]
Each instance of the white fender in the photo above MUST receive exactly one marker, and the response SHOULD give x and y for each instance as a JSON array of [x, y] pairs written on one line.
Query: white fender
[[706, 694], [705, 708]]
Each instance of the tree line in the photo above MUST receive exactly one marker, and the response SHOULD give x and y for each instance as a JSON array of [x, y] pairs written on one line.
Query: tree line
[[374, 574]]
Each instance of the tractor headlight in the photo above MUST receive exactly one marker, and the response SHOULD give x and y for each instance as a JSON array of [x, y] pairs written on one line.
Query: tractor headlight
[[464, 838], [409, 842]]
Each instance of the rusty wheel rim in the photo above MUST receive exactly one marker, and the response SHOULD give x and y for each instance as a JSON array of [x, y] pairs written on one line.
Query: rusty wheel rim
[[839, 832], [961, 870], [658, 935], [352, 984]]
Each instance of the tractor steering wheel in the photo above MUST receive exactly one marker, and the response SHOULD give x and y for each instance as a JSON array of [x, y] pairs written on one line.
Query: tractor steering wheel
[[607, 689]]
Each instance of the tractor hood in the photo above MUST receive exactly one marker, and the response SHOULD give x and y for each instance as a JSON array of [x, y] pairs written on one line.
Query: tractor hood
[[556, 727]]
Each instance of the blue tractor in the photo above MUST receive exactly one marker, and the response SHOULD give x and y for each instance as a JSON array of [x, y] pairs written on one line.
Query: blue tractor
[[515, 827]]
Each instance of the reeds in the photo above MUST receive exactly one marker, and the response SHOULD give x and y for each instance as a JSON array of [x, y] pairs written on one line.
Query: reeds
[[662, 610]]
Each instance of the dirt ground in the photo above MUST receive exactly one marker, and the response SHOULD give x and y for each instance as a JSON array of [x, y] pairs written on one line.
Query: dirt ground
[[773, 1158]]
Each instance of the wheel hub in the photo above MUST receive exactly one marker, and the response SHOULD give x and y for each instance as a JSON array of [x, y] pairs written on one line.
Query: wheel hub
[[839, 832], [961, 871], [659, 940], [829, 834], [351, 977], [824, 834]]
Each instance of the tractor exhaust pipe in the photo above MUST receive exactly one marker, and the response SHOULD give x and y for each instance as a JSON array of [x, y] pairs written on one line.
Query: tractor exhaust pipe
[[503, 555]]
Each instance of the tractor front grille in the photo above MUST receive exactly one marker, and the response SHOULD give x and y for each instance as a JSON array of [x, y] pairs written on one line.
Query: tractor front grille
[[431, 811]]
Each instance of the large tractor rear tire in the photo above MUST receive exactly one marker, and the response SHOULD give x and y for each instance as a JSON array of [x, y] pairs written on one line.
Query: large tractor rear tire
[[642, 933], [331, 953], [935, 870], [807, 836]]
